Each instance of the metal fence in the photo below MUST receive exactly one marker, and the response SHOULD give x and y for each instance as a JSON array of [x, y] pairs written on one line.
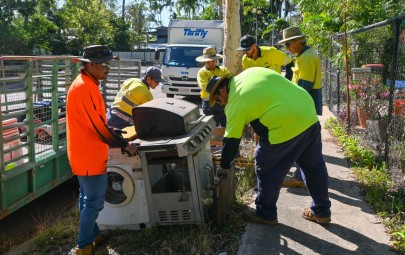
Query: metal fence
[[32, 138], [375, 91], [33, 91]]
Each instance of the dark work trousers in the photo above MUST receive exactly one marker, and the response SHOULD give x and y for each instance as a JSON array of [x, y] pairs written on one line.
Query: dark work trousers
[[217, 110], [273, 161]]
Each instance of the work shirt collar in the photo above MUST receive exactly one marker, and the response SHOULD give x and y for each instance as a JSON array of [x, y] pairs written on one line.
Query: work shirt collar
[[143, 79], [304, 49], [259, 52], [216, 67], [85, 72]]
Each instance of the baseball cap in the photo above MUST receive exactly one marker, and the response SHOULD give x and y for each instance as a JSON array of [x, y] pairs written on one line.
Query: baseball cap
[[246, 42], [97, 54], [155, 73]]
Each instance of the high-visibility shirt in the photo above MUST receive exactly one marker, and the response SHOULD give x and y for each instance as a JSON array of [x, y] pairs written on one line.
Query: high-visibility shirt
[[132, 93], [307, 74], [88, 135], [307, 67], [268, 57], [284, 108], [204, 75]]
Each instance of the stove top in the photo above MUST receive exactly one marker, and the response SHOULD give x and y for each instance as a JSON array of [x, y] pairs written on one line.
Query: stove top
[[186, 144]]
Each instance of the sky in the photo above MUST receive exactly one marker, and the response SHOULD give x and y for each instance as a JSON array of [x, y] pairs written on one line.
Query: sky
[[165, 17]]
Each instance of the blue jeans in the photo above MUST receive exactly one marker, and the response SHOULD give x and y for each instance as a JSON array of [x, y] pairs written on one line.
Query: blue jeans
[[273, 161], [91, 202]]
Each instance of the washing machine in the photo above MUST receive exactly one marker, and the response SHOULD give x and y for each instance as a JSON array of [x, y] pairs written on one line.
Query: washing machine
[[125, 205]]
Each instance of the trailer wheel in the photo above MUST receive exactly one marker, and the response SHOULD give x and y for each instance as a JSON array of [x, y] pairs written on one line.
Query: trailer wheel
[[170, 95]]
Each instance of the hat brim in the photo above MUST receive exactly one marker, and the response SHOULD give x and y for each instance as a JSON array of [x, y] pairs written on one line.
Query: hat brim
[[205, 59], [291, 38], [214, 88], [241, 48], [159, 80], [99, 60]]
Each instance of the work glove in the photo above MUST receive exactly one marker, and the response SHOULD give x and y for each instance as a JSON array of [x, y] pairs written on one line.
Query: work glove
[[222, 172], [119, 131], [131, 150]]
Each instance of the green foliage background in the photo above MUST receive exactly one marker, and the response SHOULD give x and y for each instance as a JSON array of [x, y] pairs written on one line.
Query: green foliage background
[[34, 27]]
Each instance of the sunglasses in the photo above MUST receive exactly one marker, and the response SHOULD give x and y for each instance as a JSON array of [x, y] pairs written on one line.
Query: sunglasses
[[106, 66], [287, 44], [247, 49]]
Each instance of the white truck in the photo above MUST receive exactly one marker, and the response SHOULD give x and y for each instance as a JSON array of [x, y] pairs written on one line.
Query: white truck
[[186, 41]]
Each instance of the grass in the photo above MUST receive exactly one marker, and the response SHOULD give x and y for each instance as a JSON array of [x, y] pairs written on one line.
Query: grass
[[377, 185]]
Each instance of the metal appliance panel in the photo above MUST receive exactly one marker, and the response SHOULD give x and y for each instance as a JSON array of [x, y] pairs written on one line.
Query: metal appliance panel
[[190, 143], [126, 205], [165, 117], [178, 175]]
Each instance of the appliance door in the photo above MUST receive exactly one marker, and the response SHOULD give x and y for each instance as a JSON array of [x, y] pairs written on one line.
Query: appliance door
[[120, 189], [125, 205]]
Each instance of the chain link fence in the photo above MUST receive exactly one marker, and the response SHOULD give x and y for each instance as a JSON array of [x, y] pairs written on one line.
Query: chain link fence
[[367, 92]]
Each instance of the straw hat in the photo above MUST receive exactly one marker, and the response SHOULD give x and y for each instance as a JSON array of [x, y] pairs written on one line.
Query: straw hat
[[212, 86], [291, 33], [209, 54]]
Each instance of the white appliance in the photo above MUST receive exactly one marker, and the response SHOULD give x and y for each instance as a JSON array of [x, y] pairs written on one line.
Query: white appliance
[[178, 175], [125, 205]]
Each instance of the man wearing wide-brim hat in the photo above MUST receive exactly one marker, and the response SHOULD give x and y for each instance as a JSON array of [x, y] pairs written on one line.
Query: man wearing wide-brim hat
[[283, 115], [210, 69], [88, 139], [307, 74]]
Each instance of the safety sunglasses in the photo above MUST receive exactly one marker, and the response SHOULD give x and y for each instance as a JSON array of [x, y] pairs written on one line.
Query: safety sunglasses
[[106, 65]]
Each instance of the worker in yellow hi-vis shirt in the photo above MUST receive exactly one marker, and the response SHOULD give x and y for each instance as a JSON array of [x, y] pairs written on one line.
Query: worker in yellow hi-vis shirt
[[210, 58], [263, 56]]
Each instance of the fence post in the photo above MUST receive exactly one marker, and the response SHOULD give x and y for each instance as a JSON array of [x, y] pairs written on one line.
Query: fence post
[[329, 81], [393, 73], [338, 91], [55, 105]]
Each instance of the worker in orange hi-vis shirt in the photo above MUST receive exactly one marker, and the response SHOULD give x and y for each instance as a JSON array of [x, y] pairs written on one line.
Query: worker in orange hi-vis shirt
[[88, 139]]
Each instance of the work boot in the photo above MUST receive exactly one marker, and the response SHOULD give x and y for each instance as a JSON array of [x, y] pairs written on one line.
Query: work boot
[[290, 182], [87, 250], [251, 216], [101, 238], [307, 214]]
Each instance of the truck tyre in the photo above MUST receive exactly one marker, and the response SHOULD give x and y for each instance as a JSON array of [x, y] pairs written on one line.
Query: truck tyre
[[170, 95]]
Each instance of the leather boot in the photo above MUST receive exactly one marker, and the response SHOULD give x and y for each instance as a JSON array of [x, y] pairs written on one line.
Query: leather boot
[[87, 250]]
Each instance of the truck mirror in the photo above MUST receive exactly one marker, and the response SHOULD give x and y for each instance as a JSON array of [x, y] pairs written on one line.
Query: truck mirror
[[159, 55]]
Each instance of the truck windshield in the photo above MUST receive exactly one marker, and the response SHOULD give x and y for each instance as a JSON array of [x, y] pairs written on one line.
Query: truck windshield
[[182, 56]]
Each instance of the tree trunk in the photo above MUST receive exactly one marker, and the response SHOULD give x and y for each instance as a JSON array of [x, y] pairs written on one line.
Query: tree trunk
[[232, 35]]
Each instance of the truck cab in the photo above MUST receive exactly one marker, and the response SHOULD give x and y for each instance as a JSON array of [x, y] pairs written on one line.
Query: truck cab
[[180, 69], [186, 41]]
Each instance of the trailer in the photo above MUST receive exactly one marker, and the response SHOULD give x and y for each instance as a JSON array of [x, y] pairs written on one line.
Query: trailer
[[33, 157]]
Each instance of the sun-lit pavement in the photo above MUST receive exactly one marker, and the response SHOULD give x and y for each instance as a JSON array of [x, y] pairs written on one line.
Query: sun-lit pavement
[[354, 229]]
